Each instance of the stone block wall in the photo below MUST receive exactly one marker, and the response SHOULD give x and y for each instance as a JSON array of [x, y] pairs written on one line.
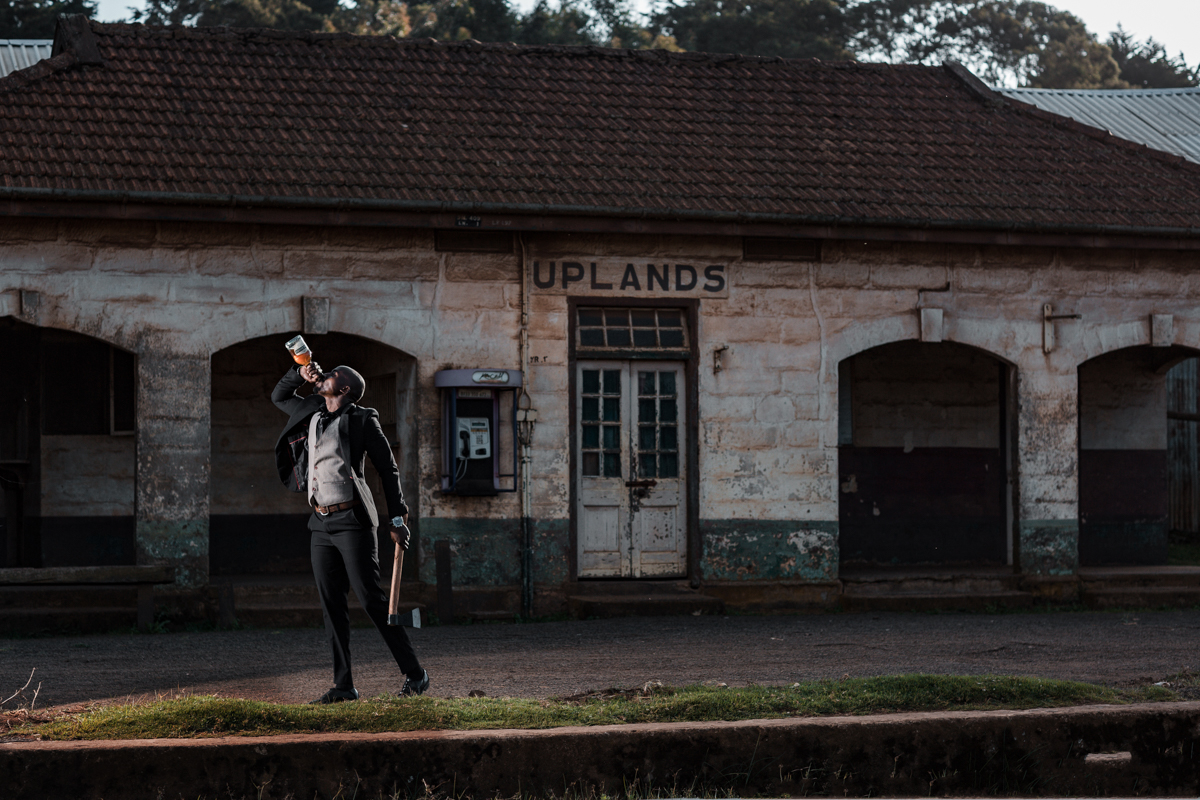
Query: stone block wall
[[768, 494]]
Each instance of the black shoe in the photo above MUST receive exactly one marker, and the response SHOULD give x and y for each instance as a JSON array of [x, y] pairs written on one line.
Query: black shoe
[[335, 695], [412, 687]]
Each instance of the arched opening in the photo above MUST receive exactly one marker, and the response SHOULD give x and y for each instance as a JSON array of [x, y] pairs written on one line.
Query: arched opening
[[1183, 462], [1130, 453], [923, 457], [67, 449], [256, 525]]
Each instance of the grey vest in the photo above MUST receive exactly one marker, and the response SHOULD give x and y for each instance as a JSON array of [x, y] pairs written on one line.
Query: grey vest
[[330, 478]]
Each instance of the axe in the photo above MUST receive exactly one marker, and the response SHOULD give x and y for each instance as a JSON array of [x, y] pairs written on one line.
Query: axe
[[409, 619]]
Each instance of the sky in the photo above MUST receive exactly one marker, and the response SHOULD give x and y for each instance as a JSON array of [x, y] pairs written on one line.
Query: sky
[[1173, 23]]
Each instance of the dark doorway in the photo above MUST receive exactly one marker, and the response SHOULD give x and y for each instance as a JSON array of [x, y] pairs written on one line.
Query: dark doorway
[[1124, 464], [922, 456], [67, 451]]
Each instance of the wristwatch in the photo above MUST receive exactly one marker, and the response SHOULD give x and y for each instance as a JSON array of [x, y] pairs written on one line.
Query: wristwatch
[[397, 522]]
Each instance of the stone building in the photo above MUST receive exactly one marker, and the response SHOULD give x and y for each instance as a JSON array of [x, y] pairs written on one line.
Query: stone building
[[765, 324]]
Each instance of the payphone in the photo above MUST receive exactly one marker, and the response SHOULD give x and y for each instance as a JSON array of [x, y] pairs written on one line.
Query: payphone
[[479, 430]]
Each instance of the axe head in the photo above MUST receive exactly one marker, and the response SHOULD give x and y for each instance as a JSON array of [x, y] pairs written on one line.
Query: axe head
[[407, 619]]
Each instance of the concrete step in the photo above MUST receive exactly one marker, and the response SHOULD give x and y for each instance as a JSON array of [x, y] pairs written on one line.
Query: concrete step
[[1172, 596], [86, 609], [605, 605], [1115, 577], [67, 597], [85, 619], [937, 601], [889, 583]]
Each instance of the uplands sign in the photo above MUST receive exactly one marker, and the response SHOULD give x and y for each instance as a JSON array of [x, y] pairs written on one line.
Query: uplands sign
[[630, 279]]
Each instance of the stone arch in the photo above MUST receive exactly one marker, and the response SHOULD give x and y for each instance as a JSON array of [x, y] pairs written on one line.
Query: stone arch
[[256, 525], [1136, 463], [862, 336], [407, 329], [923, 452]]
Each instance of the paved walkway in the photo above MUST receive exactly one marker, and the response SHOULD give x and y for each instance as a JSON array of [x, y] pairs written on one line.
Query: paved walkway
[[563, 658]]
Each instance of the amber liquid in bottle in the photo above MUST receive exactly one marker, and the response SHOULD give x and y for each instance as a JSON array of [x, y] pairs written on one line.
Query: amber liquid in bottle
[[300, 352]]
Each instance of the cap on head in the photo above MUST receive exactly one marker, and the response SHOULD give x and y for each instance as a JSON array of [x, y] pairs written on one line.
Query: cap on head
[[355, 381]]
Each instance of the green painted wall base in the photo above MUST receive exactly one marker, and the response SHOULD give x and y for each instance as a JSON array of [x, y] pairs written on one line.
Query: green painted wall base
[[181, 544], [487, 552], [769, 550], [1049, 546]]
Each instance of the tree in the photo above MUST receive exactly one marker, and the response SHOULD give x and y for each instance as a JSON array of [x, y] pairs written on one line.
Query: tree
[[35, 19], [458, 20], [1003, 41], [1146, 65], [788, 28], [280, 14]]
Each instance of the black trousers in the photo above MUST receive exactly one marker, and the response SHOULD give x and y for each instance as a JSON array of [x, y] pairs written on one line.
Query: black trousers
[[349, 559]]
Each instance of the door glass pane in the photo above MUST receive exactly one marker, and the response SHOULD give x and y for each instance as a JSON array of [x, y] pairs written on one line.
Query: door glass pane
[[667, 410], [612, 409], [646, 411], [646, 466], [612, 465], [591, 409], [670, 465], [591, 463], [667, 439], [646, 437], [591, 381], [612, 381], [646, 383], [666, 382], [591, 436], [612, 437]]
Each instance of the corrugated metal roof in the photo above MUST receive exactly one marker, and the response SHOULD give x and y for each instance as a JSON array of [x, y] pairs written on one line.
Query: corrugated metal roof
[[18, 54], [1165, 119]]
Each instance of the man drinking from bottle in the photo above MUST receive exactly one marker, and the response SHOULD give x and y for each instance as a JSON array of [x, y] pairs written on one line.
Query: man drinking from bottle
[[321, 453]]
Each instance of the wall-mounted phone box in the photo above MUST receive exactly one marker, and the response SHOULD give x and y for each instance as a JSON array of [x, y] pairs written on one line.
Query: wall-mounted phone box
[[479, 430]]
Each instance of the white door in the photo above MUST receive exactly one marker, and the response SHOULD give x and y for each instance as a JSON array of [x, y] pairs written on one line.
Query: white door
[[629, 433]]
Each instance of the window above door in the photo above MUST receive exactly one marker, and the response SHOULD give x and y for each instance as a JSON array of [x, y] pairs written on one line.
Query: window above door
[[644, 332]]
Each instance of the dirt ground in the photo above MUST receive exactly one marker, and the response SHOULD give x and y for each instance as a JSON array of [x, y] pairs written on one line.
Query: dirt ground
[[554, 659]]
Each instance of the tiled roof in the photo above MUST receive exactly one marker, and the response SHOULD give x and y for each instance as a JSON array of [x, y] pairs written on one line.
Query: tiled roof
[[1165, 119], [274, 118]]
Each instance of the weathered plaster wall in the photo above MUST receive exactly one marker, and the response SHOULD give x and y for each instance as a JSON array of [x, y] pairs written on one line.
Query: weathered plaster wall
[[177, 293]]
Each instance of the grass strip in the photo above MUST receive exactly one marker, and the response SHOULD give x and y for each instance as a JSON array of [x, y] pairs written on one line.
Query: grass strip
[[204, 716]]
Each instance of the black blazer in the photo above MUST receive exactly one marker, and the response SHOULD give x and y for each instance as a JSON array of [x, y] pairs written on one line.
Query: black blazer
[[366, 439]]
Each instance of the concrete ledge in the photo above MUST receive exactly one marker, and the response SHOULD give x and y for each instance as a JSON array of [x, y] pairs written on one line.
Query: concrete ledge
[[1057, 752]]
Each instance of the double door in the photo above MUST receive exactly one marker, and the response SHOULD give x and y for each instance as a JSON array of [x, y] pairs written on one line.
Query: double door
[[630, 469]]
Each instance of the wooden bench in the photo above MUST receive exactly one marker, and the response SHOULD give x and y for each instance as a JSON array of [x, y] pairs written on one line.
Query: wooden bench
[[145, 578]]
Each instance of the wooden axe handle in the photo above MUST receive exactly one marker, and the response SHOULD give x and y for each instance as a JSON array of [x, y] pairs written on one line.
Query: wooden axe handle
[[394, 600]]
